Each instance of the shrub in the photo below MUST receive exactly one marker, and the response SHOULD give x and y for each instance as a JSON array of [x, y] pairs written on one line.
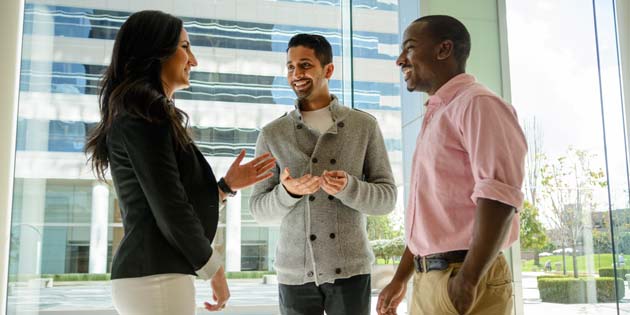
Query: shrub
[[570, 290], [78, 276], [248, 274], [551, 277], [62, 277], [389, 248], [606, 289], [608, 272]]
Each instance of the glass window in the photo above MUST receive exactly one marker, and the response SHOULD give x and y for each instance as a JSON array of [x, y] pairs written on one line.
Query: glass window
[[566, 87], [239, 86]]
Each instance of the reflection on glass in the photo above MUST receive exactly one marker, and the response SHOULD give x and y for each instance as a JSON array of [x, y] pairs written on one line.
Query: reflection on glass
[[66, 225], [568, 97]]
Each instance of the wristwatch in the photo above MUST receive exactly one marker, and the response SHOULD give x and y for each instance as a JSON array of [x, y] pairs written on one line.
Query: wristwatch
[[225, 188]]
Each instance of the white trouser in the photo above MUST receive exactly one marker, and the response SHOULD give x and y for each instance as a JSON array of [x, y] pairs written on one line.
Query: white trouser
[[164, 294]]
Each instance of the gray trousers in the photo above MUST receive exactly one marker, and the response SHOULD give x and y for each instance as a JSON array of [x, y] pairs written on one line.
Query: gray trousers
[[343, 297]]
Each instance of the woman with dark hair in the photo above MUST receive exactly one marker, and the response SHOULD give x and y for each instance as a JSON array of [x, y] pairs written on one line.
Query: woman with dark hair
[[168, 195]]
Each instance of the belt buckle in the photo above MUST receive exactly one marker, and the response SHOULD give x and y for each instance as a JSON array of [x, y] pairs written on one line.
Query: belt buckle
[[424, 264]]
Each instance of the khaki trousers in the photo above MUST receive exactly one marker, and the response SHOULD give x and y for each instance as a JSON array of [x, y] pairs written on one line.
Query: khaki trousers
[[493, 296]]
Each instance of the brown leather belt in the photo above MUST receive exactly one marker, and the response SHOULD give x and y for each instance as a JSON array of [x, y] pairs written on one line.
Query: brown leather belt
[[438, 261]]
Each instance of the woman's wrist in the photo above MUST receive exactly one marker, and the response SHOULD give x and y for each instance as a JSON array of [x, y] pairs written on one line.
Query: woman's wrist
[[222, 195], [225, 188]]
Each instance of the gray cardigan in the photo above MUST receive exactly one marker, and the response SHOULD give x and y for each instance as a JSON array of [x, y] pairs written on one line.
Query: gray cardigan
[[322, 237]]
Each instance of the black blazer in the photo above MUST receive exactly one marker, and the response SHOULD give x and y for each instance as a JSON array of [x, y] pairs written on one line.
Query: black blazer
[[168, 198]]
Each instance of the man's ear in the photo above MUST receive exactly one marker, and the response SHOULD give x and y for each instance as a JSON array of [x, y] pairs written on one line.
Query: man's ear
[[328, 70], [445, 50]]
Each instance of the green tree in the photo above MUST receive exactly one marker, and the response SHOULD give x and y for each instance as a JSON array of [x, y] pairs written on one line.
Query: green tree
[[601, 242], [568, 186], [534, 159], [389, 248], [530, 225], [381, 227], [532, 232], [623, 243]]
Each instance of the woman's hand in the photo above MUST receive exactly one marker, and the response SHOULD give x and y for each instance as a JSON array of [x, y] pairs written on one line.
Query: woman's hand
[[220, 291], [242, 176]]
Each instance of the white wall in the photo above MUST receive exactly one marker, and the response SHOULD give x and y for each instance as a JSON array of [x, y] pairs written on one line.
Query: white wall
[[11, 26]]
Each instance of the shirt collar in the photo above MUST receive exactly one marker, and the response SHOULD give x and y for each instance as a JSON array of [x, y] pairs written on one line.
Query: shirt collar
[[338, 111], [447, 92]]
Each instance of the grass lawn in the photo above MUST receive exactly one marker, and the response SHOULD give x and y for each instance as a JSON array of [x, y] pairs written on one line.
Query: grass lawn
[[381, 261], [598, 260]]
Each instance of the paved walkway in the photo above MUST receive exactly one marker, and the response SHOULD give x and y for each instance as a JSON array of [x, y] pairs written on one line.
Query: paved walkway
[[249, 297]]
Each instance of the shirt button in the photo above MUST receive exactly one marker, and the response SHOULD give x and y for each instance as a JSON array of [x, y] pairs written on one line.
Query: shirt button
[[314, 160], [332, 235], [340, 125], [311, 198], [299, 126], [338, 270], [331, 197], [309, 274], [313, 237], [333, 161]]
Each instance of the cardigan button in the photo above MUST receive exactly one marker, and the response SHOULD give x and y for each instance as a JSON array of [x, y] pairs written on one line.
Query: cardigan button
[[338, 270], [299, 126], [332, 235], [309, 274], [333, 161], [340, 125], [331, 197], [311, 198], [313, 237], [314, 160]]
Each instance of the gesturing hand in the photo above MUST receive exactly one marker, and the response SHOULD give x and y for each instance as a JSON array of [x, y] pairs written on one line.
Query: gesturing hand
[[334, 182], [304, 185], [220, 291], [242, 176]]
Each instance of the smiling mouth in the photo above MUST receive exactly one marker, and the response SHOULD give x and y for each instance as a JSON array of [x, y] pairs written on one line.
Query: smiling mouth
[[406, 72], [301, 85]]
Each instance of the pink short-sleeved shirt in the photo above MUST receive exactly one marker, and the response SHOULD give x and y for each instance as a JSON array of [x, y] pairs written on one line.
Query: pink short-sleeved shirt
[[471, 146]]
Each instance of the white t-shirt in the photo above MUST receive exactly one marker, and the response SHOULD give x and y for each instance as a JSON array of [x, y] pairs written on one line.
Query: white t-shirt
[[320, 120]]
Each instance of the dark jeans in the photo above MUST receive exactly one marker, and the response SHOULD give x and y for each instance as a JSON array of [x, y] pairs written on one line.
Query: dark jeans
[[344, 297]]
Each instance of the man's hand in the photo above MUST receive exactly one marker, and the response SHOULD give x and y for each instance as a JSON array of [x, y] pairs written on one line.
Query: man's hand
[[333, 182], [220, 291], [242, 176], [461, 292], [390, 297], [305, 185]]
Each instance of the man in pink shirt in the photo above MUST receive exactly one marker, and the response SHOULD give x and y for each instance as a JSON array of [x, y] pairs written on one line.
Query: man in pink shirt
[[466, 179]]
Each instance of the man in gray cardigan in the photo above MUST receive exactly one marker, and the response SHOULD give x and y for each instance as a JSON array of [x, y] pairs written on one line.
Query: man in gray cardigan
[[332, 170]]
